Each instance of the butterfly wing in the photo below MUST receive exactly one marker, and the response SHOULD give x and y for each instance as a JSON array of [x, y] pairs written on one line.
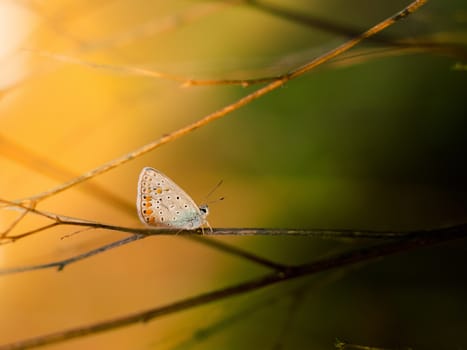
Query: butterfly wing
[[161, 202]]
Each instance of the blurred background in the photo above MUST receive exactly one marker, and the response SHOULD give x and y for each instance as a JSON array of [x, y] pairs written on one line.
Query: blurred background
[[375, 139]]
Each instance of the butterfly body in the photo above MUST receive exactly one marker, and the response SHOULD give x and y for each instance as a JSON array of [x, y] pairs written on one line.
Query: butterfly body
[[161, 202]]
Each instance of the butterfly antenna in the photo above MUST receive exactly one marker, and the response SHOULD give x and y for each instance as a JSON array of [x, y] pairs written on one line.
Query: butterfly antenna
[[213, 190]]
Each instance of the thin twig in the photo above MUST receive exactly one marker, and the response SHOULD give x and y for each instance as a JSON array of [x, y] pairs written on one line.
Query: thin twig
[[11, 239], [340, 345], [61, 264], [234, 106], [345, 259], [314, 232], [321, 233], [151, 73], [24, 210], [309, 20], [197, 236], [44, 165], [137, 232], [239, 252], [12, 225]]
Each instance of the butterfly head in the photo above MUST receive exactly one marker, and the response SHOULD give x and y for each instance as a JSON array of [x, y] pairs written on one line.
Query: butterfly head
[[204, 209]]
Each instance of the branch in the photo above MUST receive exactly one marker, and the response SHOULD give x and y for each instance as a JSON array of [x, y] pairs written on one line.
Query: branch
[[60, 265], [321, 233], [340, 345], [137, 234], [415, 5], [198, 236], [44, 165], [348, 31], [150, 73], [294, 272]]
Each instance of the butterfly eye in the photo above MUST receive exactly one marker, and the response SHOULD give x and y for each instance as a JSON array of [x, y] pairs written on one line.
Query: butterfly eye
[[204, 209]]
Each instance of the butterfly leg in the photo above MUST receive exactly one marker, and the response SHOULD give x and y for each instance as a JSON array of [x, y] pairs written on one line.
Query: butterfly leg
[[209, 226]]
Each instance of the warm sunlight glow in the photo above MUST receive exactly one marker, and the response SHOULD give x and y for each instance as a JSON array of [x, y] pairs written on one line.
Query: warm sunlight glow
[[15, 25], [336, 131]]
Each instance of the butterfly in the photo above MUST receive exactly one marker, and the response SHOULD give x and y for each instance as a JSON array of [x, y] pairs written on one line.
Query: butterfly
[[161, 202]]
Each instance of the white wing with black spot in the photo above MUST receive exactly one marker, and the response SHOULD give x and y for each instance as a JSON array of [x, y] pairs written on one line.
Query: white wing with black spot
[[161, 202]]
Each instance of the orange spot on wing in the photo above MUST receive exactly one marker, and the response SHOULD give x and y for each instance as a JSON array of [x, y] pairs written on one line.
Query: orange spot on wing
[[149, 212], [151, 220], [159, 190]]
